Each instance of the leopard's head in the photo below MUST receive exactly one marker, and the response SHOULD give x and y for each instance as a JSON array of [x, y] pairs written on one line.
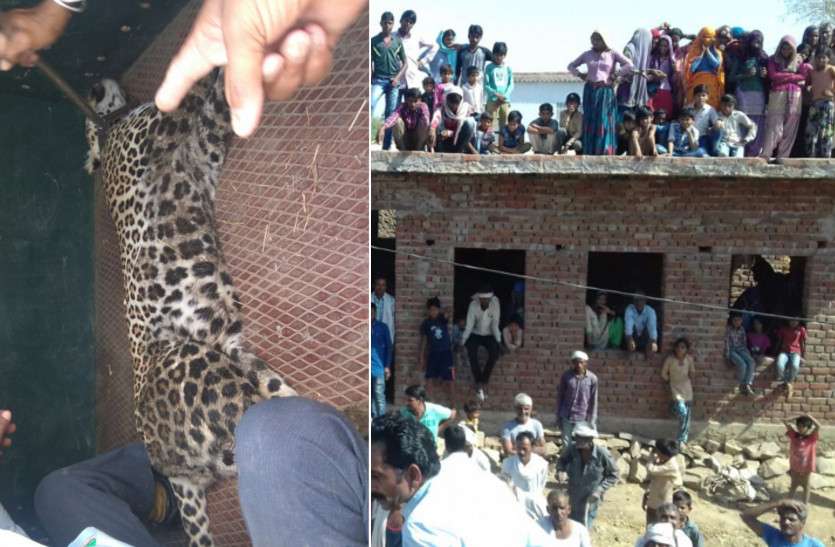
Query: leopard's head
[[105, 97]]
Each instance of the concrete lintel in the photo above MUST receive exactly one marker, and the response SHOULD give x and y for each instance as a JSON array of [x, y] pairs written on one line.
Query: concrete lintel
[[602, 166]]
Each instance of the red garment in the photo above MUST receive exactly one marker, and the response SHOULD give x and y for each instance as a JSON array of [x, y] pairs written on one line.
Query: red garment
[[663, 98], [791, 338], [802, 451]]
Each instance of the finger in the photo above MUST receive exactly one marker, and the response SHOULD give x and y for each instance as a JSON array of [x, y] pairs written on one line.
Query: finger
[[7, 443], [295, 50], [244, 83], [185, 70], [320, 57]]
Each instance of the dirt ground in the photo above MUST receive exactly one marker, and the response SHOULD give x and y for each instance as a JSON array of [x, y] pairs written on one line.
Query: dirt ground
[[620, 520]]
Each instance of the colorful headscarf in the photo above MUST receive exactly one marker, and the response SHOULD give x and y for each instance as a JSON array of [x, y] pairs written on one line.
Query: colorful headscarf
[[638, 51], [697, 48], [793, 64], [737, 33]]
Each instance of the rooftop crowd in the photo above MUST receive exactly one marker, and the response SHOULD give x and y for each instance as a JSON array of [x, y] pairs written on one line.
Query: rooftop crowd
[[666, 93]]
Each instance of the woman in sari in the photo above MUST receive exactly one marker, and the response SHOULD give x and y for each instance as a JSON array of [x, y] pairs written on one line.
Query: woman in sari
[[662, 65], [787, 73], [598, 94], [806, 50], [632, 90], [703, 65], [809, 43], [748, 72]]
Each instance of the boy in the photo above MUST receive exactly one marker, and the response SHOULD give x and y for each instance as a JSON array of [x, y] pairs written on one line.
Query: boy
[[704, 116], [662, 130], [410, 122], [544, 131], [428, 96], [381, 356], [483, 142], [791, 348], [735, 129], [446, 54], [664, 477], [683, 137], [512, 136], [642, 142], [474, 90], [441, 86], [472, 409], [819, 126], [498, 84], [684, 503], [472, 55], [803, 441], [626, 129], [435, 353], [571, 126], [388, 66]]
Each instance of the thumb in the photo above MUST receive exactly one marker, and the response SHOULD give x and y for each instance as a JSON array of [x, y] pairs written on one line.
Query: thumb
[[245, 47]]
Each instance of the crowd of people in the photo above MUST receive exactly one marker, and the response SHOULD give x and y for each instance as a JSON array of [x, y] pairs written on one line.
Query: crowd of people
[[465, 499], [716, 93]]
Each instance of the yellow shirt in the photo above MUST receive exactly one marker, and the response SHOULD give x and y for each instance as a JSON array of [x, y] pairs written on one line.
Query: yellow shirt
[[678, 374], [663, 480]]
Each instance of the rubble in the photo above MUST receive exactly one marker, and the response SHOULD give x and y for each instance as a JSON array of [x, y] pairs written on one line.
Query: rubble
[[773, 467], [637, 471], [711, 446], [826, 466], [732, 447]]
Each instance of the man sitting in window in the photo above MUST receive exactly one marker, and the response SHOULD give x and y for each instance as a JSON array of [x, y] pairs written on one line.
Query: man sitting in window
[[640, 325]]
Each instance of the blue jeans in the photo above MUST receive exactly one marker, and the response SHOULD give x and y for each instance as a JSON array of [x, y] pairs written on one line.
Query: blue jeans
[[697, 153], [579, 513], [745, 365], [682, 410], [724, 150], [378, 396], [784, 373], [708, 142], [383, 103], [302, 480]]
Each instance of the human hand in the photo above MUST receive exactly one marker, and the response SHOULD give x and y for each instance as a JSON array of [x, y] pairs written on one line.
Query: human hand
[[381, 134], [7, 427], [594, 496], [387, 373], [25, 31], [630, 344], [644, 501], [653, 347], [763, 72], [269, 47]]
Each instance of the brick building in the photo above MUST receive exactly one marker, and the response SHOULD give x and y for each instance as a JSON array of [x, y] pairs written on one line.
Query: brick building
[[682, 230]]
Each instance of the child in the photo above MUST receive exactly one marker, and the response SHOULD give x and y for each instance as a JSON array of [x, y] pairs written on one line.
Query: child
[[472, 55], [736, 351], [683, 137], [642, 142], [544, 130], [662, 130], [484, 140], [571, 126], [443, 84], [759, 343], [512, 136], [472, 409], [474, 90], [513, 335], [445, 55], [498, 84], [679, 371], [435, 353], [410, 122], [704, 116], [684, 503], [664, 477], [791, 348], [819, 125], [803, 441], [735, 129], [625, 131], [428, 96]]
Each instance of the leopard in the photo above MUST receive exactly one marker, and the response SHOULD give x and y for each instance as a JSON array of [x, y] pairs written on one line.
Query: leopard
[[193, 377]]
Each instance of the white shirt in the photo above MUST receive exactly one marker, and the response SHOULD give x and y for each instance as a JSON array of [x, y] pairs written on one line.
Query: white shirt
[[705, 117], [474, 95], [11, 539], [579, 536], [462, 506], [681, 540], [416, 54], [385, 311], [528, 482], [483, 322]]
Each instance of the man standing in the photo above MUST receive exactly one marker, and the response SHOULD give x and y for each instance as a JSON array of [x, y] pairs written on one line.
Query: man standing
[[388, 66], [457, 504], [385, 305], [792, 521], [577, 397], [590, 471], [482, 329], [381, 353], [640, 325], [418, 52]]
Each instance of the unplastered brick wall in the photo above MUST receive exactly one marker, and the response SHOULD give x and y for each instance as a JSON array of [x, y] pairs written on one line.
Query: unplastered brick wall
[[292, 211], [698, 224]]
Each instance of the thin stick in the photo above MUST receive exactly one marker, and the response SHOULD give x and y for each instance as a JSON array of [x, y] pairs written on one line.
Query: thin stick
[[69, 92]]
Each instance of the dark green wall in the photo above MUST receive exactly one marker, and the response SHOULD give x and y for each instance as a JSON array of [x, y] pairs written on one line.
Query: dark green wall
[[47, 371]]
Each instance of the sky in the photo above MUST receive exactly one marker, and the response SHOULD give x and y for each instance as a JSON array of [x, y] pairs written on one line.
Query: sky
[[544, 36]]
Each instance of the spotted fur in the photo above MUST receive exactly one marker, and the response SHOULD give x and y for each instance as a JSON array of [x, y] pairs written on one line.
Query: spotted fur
[[192, 378]]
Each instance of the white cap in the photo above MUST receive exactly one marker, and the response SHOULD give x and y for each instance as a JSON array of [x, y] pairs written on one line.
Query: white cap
[[661, 532], [583, 430], [522, 399], [484, 295], [582, 355]]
